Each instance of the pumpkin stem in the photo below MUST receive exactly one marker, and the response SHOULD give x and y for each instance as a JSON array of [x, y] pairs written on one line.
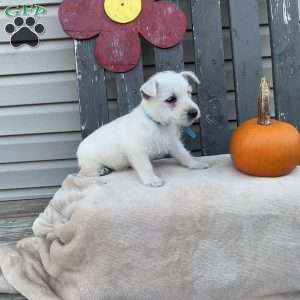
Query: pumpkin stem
[[263, 103]]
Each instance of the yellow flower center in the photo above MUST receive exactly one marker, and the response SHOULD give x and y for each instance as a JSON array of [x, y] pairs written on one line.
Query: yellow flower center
[[123, 11]]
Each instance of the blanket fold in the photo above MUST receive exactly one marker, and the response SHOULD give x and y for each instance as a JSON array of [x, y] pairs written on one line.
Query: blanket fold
[[207, 234]]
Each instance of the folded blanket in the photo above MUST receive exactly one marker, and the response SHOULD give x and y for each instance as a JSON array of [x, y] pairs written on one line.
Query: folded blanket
[[207, 234]]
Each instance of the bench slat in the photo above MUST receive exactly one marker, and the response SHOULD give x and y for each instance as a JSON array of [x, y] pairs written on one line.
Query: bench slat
[[92, 89], [209, 64], [169, 59], [173, 59], [247, 64], [285, 44], [128, 88]]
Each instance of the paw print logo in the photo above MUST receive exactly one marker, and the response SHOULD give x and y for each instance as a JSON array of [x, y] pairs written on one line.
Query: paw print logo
[[24, 32]]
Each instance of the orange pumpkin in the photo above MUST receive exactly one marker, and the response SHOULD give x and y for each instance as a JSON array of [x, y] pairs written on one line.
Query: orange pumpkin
[[265, 147]]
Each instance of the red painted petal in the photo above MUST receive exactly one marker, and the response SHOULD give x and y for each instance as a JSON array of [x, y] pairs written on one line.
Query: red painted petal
[[81, 19], [118, 51], [163, 24]]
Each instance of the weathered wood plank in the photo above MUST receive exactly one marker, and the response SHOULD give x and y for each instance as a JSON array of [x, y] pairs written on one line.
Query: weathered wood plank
[[128, 88], [16, 219], [246, 49], [114, 112], [28, 193], [14, 229], [263, 12], [285, 43], [209, 66], [188, 47], [22, 208], [228, 69], [92, 89], [11, 297], [173, 59], [169, 59]]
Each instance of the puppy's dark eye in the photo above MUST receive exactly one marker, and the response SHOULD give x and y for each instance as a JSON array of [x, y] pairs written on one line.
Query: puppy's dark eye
[[172, 99]]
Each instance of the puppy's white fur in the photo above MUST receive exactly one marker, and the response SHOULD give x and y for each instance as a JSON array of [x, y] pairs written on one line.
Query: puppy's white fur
[[150, 131]]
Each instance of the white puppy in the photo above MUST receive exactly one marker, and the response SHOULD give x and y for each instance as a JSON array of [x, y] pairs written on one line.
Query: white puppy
[[151, 130]]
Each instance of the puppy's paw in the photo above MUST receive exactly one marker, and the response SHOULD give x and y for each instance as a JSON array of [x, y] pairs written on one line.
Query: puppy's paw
[[154, 181], [199, 165], [104, 171]]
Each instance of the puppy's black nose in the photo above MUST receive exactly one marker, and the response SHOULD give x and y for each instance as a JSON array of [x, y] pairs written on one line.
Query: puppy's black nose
[[193, 113]]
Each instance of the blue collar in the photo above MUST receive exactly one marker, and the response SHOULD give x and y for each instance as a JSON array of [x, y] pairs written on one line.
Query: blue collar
[[187, 130], [150, 118], [190, 132]]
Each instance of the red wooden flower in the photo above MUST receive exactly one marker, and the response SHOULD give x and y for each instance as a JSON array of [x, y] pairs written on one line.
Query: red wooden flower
[[118, 46]]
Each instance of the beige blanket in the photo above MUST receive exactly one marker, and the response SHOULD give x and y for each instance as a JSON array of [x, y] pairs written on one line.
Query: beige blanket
[[206, 235]]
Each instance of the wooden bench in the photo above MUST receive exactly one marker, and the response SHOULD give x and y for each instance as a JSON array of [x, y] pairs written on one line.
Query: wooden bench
[[206, 27], [214, 129]]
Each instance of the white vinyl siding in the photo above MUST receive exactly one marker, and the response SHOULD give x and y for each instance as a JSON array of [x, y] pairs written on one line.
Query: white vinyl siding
[[39, 111]]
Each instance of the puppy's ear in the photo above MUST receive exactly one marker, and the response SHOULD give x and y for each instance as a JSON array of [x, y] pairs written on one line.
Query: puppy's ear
[[190, 75], [149, 89]]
